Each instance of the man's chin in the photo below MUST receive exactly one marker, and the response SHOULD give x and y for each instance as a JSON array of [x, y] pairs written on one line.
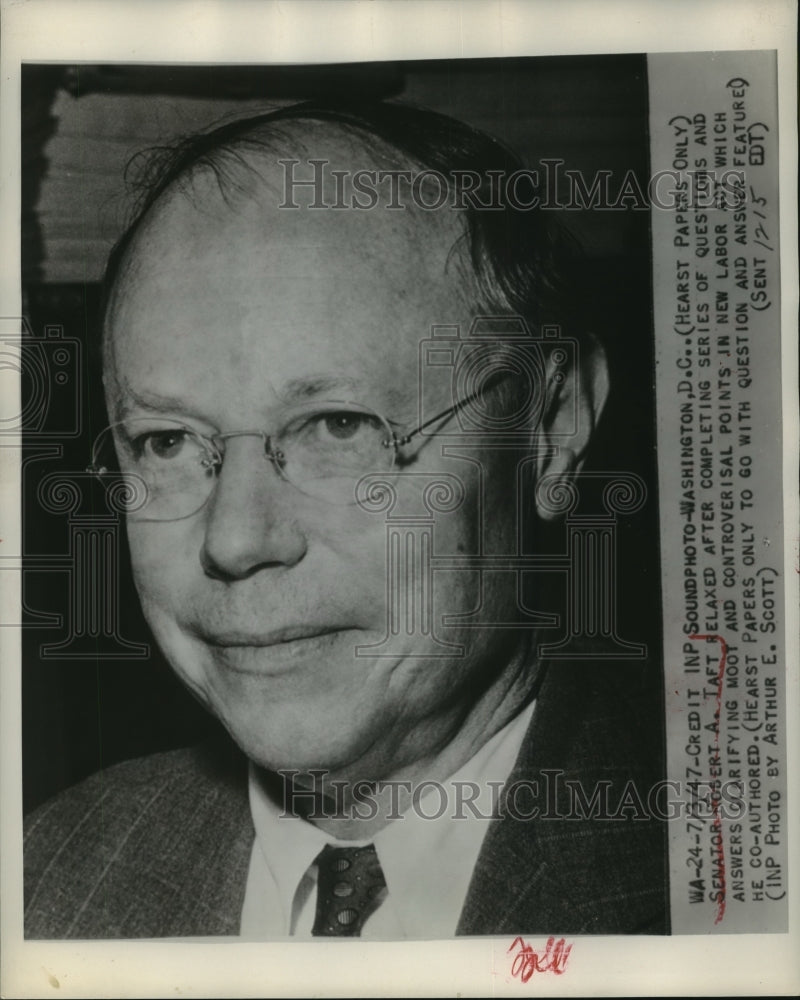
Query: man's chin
[[285, 749], [298, 720]]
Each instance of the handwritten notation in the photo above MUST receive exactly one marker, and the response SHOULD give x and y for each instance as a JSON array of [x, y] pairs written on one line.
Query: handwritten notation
[[527, 960]]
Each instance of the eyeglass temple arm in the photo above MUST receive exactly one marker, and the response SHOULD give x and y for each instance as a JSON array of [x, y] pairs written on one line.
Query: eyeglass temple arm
[[490, 383]]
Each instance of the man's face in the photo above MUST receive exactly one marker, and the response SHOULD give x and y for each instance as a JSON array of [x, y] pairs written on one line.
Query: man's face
[[228, 316]]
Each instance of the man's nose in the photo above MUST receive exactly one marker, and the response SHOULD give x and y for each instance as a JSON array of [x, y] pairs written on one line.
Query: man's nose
[[251, 516]]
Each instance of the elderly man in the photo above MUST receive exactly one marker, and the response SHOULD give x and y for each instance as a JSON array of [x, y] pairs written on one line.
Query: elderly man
[[267, 393]]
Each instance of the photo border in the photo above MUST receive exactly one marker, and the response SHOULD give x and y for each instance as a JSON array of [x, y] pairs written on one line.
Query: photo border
[[231, 31]]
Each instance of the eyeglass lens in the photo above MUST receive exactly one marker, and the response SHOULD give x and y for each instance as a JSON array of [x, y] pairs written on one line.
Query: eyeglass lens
[[170, 470]]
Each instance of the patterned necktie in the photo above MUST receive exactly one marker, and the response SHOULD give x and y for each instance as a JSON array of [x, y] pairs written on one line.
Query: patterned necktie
[[350, 887]]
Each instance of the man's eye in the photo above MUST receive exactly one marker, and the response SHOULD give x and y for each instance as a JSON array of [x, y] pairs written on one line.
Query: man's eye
[[163, 445], [345, 425]]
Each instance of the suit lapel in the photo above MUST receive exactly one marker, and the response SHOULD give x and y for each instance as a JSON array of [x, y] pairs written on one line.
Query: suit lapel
[[571, 874]]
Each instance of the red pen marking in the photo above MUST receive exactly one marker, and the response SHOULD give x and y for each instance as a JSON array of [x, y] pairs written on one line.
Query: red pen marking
[[527, 961], [716, 825]]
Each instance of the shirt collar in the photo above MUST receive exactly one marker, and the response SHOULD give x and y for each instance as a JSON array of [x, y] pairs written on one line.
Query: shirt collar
[[288, 844]]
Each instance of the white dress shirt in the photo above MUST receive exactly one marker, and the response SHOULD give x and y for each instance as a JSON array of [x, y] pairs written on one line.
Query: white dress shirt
[[427, 862]]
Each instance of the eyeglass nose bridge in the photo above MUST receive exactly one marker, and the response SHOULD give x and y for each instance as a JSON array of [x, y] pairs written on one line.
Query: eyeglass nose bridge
[[275, 456]]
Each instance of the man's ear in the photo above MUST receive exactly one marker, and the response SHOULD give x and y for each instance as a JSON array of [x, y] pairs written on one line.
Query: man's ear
[[572, 409]]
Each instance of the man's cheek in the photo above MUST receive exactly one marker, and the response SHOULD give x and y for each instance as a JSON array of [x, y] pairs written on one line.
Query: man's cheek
[[161, 569], [352, 552], [455, 592]]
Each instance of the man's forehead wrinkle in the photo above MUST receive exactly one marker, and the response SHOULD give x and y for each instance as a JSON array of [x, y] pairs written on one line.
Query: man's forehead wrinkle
[[296, 389], [315, 385]]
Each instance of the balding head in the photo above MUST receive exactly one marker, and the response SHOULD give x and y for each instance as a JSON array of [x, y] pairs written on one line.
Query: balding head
[[517, 253]]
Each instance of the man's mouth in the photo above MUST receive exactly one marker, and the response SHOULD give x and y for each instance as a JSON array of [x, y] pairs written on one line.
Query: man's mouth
[[232, 638], [272, 653]]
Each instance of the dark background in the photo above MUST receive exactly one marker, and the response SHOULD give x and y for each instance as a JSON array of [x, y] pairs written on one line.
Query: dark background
[[85, 713]]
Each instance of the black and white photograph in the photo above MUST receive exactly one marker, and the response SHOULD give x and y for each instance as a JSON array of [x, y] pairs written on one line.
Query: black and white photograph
[[405, 459]]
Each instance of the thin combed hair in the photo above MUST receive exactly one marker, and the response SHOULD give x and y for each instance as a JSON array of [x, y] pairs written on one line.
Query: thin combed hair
[[522, 257]]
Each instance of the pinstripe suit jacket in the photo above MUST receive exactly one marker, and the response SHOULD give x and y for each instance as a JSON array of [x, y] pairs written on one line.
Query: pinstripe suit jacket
[[160, 847]]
